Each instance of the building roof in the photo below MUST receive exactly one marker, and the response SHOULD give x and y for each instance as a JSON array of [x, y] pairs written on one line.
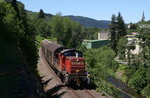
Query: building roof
[[90, 41]]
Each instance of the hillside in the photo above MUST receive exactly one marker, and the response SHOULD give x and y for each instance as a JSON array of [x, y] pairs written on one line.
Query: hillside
[[85, 21], [89, 22]]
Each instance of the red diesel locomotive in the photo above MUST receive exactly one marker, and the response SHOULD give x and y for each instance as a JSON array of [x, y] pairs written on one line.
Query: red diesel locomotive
[[67, 63]]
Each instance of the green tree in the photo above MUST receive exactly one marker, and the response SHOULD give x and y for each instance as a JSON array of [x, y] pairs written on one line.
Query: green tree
[[10, 23], [106, 55], [121, 27], [117, 31], [76, 37], [113, 33], [121, 47], [138, 80], [41, 14], [16, 29], [22, 31], [43, 28], [90, 60], [121, 40], [90, 33], [146, 91], [145, 44], [133, 27], [103, 58], [66, 31], [99, 65], [57, 26]]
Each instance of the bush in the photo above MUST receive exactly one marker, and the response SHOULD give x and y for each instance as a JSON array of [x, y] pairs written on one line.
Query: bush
[[146, 91]]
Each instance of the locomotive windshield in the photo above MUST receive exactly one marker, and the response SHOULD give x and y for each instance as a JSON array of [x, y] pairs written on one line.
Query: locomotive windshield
[[73, 53]]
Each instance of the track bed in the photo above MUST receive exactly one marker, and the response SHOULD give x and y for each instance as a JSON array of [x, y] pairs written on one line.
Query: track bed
[[54, 87]]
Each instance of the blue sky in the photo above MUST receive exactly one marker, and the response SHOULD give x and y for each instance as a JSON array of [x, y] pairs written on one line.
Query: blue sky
[[131, 10]]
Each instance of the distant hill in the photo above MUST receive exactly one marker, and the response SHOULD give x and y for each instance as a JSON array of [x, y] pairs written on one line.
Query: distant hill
[[85, 21], [89, 22], [34, 15]]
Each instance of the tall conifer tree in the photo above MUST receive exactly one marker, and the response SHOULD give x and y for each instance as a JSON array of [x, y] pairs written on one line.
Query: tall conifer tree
[[113, 33], [117, 30], [121, 28]]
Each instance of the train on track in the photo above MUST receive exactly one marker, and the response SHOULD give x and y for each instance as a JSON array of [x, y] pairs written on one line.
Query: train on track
[[69, 64]]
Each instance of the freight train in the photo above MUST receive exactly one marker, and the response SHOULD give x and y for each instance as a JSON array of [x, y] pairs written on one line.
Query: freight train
[[69, 64]]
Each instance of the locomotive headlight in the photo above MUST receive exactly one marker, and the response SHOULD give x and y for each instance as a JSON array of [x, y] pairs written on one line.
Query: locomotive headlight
[[77, 71], [88, 74], [67, 75]]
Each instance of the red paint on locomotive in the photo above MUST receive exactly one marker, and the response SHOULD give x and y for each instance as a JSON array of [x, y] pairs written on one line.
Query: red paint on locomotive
[[72, 61]]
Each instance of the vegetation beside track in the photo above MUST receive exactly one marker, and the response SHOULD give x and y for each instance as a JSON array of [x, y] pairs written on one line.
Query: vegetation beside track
[[100, 63]]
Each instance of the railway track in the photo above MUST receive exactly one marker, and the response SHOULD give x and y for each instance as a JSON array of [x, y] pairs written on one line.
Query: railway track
[[90, 93], [85, 94], [72, 93]]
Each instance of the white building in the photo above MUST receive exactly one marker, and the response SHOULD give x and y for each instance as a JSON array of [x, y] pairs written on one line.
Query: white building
[[103, 36], [133, 41]]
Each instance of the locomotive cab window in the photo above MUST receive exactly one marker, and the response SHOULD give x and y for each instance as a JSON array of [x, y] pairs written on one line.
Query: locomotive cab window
[[73, 53]]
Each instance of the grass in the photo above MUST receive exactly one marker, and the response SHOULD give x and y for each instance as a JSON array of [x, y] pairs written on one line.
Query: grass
[[10, 64], [110, 72], [120, 73]]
